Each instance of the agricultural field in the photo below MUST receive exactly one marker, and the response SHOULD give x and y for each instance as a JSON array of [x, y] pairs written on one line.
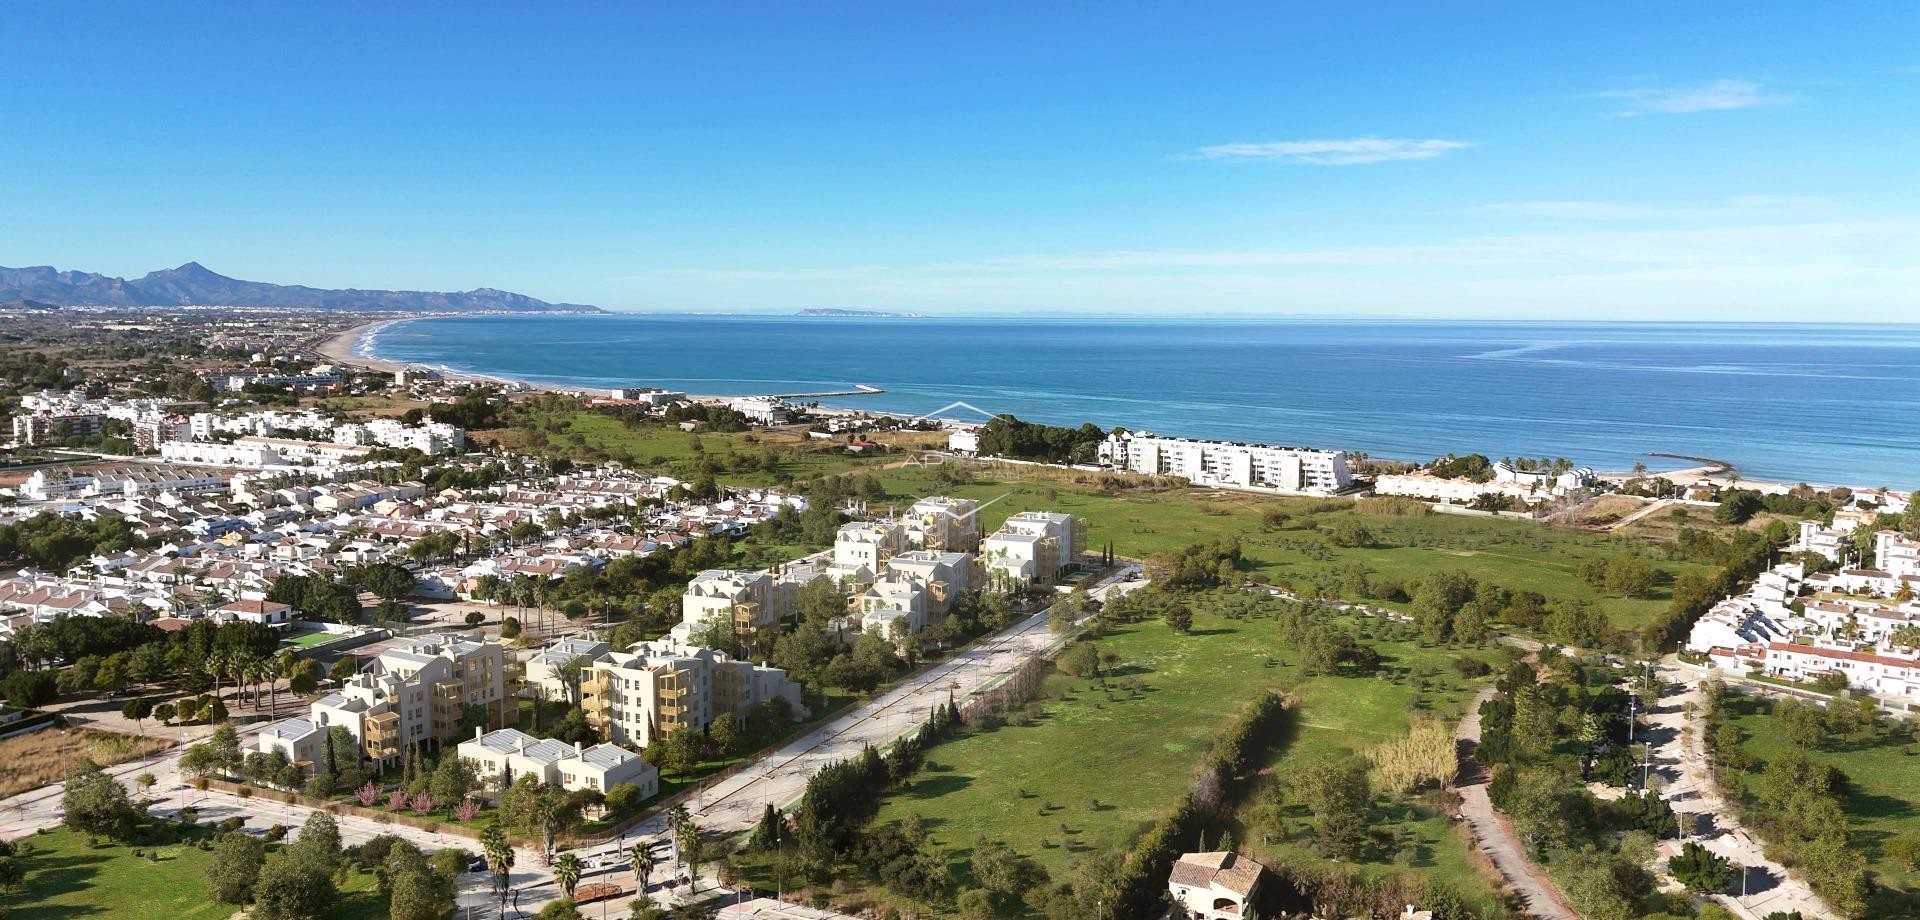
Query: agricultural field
[[1088, 768], [1884, 802], [1516, 554], [67, 878]]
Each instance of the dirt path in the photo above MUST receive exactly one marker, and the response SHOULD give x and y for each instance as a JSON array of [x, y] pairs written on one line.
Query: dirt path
[[1494, 835]]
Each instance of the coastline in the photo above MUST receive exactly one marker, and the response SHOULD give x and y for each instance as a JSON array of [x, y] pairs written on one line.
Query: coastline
[[343, 348], [355, 347]]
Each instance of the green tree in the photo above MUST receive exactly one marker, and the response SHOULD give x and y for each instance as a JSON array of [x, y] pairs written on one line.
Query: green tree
[[95, 803], [1339, 797], [235, 867], [414, 890], [1700, 869], [1179, 617]]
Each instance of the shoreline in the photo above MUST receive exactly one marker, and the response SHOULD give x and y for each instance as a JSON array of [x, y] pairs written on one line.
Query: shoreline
[[344, 348]]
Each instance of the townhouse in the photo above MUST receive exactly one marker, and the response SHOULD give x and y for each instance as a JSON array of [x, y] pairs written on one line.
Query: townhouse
[[500, 757]]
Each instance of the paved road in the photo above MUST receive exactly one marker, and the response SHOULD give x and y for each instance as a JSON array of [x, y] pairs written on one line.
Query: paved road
[[1494, 835], [732, 805], [1690, 790]]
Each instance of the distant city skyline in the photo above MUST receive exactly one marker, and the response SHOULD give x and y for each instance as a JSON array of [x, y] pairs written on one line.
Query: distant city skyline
[[1714, 162]]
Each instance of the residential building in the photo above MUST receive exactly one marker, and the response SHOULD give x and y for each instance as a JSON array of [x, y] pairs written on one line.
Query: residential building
[[545, 669], [1896, 554], [1834, 543], [661, 687], [499, 758], [419, 693], [866, 545], [944, 524], [1033, 547], [744, 601], [299, 740], [1214, 886], [1228, 464], [55, 429]]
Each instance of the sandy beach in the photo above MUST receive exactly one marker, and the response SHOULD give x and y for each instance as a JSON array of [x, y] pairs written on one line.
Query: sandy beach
[[339, 348]]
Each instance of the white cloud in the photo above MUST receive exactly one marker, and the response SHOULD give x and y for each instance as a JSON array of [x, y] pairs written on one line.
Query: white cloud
[[1716, 96], [1737, 207], [1354, 151]]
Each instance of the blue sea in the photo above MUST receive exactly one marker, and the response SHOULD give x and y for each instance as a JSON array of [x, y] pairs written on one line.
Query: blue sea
[[1827, 404]]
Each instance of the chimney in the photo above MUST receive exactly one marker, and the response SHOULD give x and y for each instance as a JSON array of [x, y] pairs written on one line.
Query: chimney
[[477, 732], [576, 749]]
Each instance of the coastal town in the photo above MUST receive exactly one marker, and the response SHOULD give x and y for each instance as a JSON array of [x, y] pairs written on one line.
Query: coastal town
[[287, 586]]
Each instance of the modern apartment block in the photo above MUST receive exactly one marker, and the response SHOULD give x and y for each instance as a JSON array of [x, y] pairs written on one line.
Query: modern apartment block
[[50, 429], [942, 524], [1229, 464], [1033, 547], [662, 687], [415, 694], [747, 601], [861, 549]]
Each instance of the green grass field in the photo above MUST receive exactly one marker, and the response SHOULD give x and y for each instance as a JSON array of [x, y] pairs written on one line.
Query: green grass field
[[1135, 754], [1885, 801], [68, 879], [1514, 553]]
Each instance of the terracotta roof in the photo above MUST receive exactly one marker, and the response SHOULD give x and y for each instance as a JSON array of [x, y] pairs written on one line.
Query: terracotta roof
[[1229, 871]]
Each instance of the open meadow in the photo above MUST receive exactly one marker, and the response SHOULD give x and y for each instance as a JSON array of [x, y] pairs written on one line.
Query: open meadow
[[1516, 554], [1883, 802], [66, 878], [1087, 768]]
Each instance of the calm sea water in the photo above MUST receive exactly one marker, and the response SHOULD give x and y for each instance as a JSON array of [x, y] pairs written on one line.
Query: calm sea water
[[1818, 403]]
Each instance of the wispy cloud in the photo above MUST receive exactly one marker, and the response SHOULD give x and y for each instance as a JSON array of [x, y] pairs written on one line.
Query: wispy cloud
[[1354, 151], [1742, 207], [1716, 96]]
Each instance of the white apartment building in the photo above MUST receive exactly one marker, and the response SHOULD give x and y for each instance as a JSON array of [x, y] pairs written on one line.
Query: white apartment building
[[1544, 480], [418, 694], [745, 600], [1834, 543], [944, 524], [658, 688], [1896, 555], [430, 438], [544, 669], [1032, 547], [1227, 464], [861, 549], [499, 758]]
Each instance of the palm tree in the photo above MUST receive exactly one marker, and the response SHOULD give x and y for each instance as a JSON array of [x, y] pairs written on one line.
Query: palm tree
[[641, 862], [499, 859], [215, 664], [566, 871]]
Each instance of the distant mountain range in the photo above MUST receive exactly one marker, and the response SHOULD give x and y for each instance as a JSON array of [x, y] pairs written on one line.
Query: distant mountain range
[[193, 284]]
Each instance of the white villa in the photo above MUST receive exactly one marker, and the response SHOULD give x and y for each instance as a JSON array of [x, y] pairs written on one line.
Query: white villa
[[1214, 886]]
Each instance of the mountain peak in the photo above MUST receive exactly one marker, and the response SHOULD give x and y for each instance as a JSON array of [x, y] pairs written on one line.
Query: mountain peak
[[193, 283]]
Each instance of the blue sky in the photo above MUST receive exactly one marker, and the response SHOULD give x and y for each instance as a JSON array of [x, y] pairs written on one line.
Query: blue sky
[[1658, 161]]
